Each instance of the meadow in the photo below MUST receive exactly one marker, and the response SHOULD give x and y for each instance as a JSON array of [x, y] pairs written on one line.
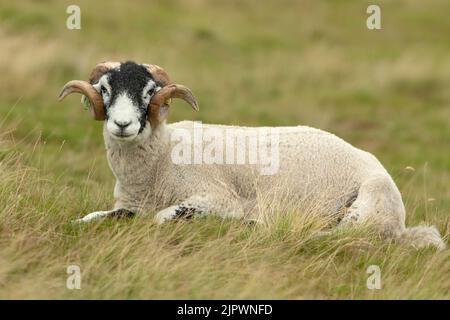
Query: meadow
[[249, 63]]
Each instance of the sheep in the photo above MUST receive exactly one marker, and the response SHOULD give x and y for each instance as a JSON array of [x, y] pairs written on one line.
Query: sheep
[[316, 169]]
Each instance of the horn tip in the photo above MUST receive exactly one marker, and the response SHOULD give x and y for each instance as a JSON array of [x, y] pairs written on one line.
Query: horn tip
[[63, 93]]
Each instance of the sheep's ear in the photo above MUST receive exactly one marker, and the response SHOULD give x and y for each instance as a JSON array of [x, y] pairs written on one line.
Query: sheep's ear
[[158, 113], [163, 112]]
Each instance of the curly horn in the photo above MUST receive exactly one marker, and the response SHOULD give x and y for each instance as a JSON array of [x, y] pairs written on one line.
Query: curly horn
[[160, 99], [96, 105], [96, 101], [100, 69], [159, 74]]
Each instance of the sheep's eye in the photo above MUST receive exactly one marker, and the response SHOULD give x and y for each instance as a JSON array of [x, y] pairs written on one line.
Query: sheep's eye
[[103, 90], [151, 91]]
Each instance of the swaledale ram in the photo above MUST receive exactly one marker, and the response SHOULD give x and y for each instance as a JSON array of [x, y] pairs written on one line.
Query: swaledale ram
[[316, 170]]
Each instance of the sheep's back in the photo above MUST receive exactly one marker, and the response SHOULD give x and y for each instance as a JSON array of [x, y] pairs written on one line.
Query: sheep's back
[[313, 166]]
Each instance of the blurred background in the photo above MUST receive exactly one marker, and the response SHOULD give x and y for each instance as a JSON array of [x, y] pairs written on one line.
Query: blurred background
[[249, 62], [271, 62]]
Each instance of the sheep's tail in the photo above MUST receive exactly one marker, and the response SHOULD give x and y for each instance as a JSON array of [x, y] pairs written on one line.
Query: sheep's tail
[[422, 236]]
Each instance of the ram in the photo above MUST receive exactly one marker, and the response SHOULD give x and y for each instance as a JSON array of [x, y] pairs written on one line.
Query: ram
[[315, 170]]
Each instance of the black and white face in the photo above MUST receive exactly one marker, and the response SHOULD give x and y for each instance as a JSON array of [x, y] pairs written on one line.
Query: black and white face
[[126, 93]]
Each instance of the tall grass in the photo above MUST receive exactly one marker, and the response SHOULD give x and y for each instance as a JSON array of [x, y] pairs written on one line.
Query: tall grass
[[202, 258]]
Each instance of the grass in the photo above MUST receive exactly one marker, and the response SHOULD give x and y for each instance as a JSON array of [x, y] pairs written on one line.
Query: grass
[[277, 63]]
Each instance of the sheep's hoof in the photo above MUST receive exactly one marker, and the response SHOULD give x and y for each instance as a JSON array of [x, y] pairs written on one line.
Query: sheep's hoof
[[92, 216], [166, 215]]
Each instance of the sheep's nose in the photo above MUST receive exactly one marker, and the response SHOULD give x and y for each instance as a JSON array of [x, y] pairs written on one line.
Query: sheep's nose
[[122, 124]]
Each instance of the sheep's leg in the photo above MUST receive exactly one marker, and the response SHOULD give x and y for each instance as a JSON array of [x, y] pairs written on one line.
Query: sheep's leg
[[121, 212], [379, 203], [203, 204]]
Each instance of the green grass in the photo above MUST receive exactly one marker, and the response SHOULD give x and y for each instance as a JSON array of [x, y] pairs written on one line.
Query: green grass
[[249, 63]]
